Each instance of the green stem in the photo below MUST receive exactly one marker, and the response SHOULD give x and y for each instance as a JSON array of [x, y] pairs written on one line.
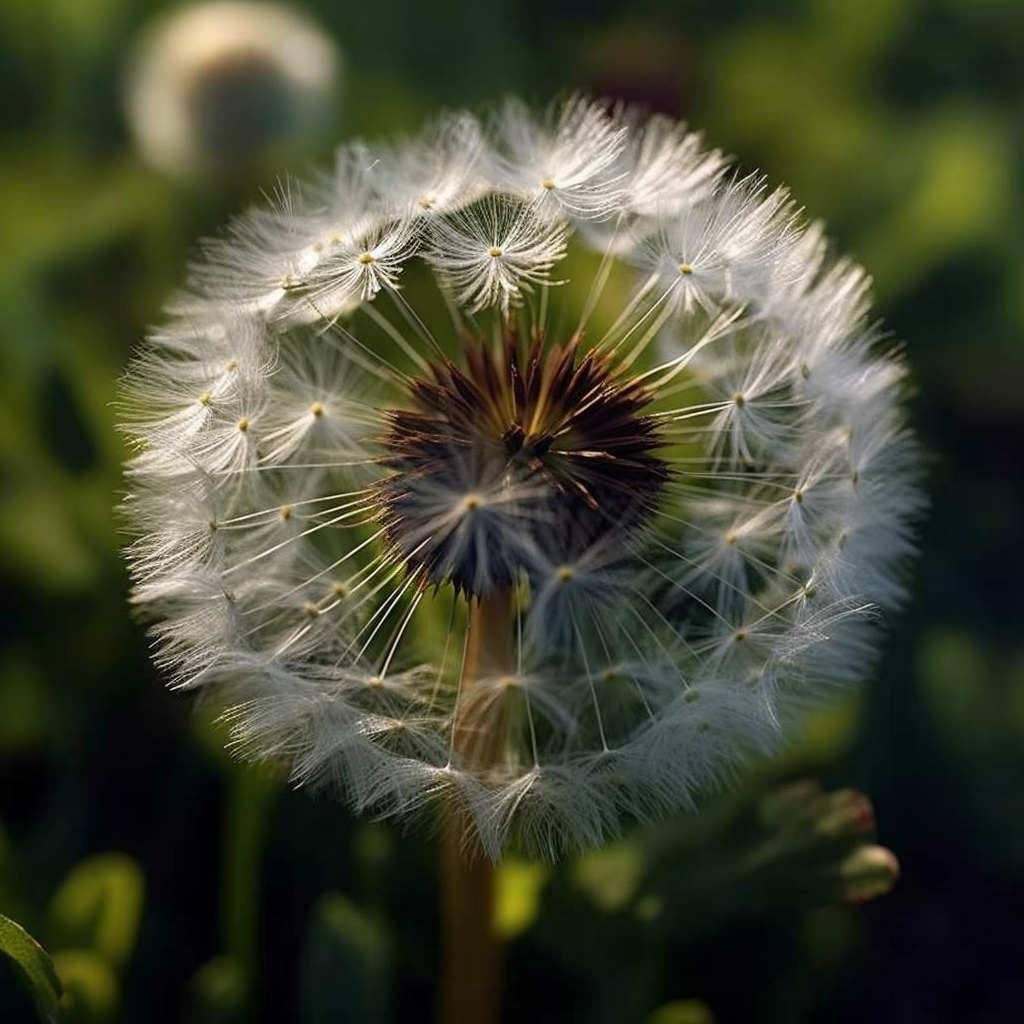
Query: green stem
[[470, 986], [245, 827]]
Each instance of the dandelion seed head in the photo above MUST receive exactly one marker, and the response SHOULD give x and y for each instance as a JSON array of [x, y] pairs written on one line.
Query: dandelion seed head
[[536, 468], [219, 83]]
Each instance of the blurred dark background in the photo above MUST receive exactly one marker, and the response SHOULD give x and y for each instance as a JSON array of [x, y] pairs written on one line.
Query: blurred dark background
[[174, 886]]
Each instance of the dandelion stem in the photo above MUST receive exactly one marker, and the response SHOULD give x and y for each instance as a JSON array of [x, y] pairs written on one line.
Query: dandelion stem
[[471, 955]]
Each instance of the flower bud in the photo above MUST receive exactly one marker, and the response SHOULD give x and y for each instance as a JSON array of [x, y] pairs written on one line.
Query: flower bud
[[847, 814], [869, 872]]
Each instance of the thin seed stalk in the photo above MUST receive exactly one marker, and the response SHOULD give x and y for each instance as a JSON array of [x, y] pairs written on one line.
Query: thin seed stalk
[[470, 954]]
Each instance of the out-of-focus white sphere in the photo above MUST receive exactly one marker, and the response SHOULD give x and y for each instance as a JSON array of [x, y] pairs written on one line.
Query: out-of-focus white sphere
[[214, 86]]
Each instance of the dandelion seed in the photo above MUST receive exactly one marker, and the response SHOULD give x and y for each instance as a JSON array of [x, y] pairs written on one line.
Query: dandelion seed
[[558, 559], [490, 255], [563, 162]]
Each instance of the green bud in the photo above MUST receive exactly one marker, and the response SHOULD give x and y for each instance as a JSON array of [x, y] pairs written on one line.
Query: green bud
[[847, 814]]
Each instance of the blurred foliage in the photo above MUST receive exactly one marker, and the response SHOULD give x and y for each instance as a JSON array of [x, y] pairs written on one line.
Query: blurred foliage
[[232, 899], [683, 1011], [91, 991], [346, 969], [218, 993], [608, 918], [98, 907]]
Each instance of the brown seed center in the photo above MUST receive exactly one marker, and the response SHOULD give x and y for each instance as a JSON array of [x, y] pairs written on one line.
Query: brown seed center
[[551, 444]]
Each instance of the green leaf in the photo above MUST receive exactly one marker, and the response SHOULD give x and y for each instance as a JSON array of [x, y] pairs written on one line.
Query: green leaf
[[34, 965], [98, 907], [346, 966]]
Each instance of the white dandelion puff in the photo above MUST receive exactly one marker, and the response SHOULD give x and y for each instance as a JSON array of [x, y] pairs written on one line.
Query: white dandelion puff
[[217, 85], [662, 171], [436, 173], [724, 249], [357, 269], [565, 161], [667, 168], [555, 558], [491, 254]]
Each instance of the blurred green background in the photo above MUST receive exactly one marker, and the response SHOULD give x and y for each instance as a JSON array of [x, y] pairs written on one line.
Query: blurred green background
[[173, 886]]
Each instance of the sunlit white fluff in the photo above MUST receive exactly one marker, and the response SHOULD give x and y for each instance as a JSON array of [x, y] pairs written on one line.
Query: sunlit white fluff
[[489, 256], [667, 168], [563, 160], [723, 247], [435, 174], [662, 170], [312, 551]]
